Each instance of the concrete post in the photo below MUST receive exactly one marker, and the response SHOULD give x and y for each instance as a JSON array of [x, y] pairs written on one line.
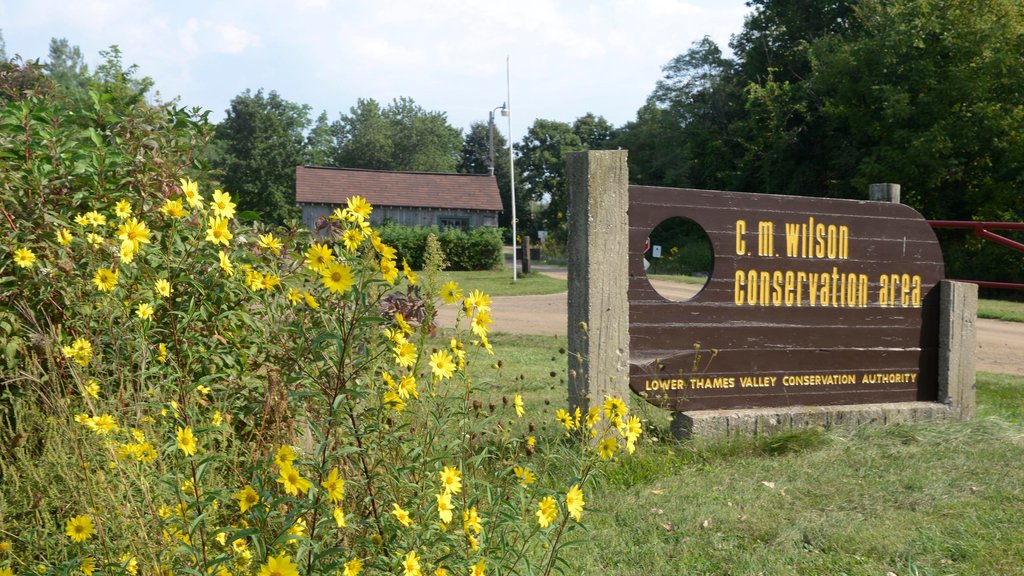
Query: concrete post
[[526, 254], [957, 325], [884, 193], [598, 278]]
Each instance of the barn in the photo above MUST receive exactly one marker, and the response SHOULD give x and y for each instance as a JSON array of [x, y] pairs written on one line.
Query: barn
[[463, 201]]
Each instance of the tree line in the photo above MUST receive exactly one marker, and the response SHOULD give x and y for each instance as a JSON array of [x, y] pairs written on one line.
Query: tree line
[[813, 98]]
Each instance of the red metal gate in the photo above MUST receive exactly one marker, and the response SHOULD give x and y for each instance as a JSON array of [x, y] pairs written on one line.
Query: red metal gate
[[982, 230]]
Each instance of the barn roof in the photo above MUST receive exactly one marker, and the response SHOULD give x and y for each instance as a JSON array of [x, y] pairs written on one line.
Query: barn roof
[[317, 185]]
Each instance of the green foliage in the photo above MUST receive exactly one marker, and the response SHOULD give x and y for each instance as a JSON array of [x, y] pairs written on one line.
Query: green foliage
[[474, 160], [259, 144], [400, 136], [823, 99], [185, 393], [478, 249], [542, 166]]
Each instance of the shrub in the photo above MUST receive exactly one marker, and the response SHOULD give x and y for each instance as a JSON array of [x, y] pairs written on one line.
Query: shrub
[[478, 249], [188, 394]]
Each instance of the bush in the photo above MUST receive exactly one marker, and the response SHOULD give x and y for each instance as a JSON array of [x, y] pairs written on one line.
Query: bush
[[478, 249], [187, 394]]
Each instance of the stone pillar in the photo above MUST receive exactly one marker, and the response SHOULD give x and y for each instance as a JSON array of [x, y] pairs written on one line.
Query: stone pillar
[[958, 313], [884, 193], [598, 277]]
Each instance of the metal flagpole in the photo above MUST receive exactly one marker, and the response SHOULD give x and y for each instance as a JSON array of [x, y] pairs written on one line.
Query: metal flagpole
[[511, 162]]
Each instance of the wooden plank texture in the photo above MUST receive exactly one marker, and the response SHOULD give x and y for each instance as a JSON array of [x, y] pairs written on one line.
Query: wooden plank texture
[[809, 301]]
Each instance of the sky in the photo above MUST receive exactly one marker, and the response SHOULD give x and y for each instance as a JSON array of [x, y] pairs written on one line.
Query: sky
[[565, 57]]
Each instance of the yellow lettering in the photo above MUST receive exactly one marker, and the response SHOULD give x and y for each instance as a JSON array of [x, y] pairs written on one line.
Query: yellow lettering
[[740, 283], [741, 244], [765, 238]]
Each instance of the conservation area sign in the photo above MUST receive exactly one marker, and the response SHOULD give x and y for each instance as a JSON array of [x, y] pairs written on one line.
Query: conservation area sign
[[810, 301]]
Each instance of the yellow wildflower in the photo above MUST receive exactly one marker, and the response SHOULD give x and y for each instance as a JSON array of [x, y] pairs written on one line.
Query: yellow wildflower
[[547, 511], [187, 441], [310, 301], [409, 274], [524, 475], [471, 521], [451, 480], [359, 206], [477, 300], [135, 232], [92, 388], [444, 507], [190, 189], [574, 502], [518, 403], [353, 567], [225, 263], [280, 565], [352, 238], [88, 566], [450, 292], [334, 486], [64, 237], [478, 568], [144, 310], [123, 209], [337, 277], [270, 242], [318, 257], [388, 270], [441, 364], [105, 279], [401, 515], [405, 354], [79, 528], [173, 209], [162, 288], [606, 449], [562, 416], [218, 232], [222, 204], [293, 482], [411, 562], [80, 351], [285, 456]]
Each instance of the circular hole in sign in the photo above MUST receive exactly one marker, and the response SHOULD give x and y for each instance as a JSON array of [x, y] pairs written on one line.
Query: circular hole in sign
[[678, 259]]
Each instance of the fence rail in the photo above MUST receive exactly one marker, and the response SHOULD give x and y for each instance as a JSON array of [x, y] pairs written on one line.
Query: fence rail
[[984, 230]]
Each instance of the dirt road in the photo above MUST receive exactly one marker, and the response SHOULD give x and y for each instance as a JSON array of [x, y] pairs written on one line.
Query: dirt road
[[1000, 345]]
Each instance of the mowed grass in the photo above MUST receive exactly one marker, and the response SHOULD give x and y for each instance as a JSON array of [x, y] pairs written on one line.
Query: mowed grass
[[499, 282], [921, 499], [1001, 310]]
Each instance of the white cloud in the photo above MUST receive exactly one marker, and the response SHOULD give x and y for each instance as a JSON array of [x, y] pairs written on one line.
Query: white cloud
[[234, 40]]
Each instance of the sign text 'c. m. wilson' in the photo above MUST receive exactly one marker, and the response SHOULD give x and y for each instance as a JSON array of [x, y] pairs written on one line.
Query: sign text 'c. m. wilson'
[[810, 301]]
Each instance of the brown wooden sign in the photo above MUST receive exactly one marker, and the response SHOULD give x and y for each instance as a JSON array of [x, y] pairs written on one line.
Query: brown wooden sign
[[810, 301]]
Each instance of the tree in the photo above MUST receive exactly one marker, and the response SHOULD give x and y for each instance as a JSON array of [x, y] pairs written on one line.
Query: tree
[[262, 139], [930, 95], [542, 165], [67, 68], [319, 143], [475, 159], [402, 136]]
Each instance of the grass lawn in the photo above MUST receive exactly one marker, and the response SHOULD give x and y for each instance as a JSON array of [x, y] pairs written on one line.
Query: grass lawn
[[918, 499], [499, 282], [679, 278], [1001, 310]]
